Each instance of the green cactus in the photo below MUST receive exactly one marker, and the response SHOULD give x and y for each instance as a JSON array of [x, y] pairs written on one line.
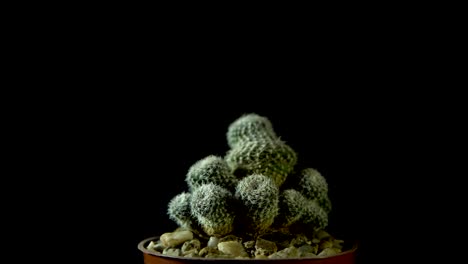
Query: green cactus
[[211, 169], [291, 207], [314, 187], [258, 198], [249, 188], [314, 216], [250, 127], [211, 205], [179, 210], [272, 158], [296, 209], [255, 149]]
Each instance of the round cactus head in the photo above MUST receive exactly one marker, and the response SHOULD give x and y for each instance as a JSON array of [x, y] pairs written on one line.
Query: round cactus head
[[291, 207], [314, 216], [272, 158], [179, 210], [211, 205], [212, 169], [314, 187], [258, 198], [250, 127]]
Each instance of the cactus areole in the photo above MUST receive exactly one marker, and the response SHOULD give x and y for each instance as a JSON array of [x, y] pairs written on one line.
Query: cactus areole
[[251, 203]]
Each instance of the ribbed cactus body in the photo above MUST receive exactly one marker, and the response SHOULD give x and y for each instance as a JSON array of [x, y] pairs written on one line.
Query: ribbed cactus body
[[211, 169], [211, 205], [179, 210], [258, 198], [314, 187], [272, 158], [291, 207], [250, 127], [314, 216]]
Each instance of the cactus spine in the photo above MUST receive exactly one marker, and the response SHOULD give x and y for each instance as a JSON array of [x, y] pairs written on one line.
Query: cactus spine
[[211, 205], [255, 149], [250, 127], [314, 216], [179, 210], [211, 169], [291, 207], [258, 196], [314, 187], [296, 209]]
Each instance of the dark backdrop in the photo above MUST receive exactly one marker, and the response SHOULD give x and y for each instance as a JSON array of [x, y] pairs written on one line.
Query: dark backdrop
[[133, 108]]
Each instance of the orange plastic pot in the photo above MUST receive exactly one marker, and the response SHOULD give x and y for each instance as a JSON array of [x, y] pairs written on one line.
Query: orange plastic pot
[[151, 257]]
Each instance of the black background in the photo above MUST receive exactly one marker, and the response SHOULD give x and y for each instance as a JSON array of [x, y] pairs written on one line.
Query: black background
[[138, 109], [123, 103]]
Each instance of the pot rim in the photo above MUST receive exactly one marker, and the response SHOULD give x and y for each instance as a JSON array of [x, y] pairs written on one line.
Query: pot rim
[[142, 248]]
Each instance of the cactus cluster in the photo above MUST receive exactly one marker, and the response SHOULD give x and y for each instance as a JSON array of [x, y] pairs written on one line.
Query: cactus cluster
[[255, 149], [255, 187]]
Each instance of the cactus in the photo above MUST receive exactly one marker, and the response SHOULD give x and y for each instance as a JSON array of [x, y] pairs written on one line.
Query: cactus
[[250, 127], [179, 210], [255, 149], [246, 188], [211, 206], [314, 216], [291, 208], [272, 158], [212, 169], [314, 187], [296, 209], [258, 195]]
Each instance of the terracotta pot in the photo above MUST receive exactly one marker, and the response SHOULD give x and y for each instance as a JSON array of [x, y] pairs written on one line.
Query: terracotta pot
[[151, 257]]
